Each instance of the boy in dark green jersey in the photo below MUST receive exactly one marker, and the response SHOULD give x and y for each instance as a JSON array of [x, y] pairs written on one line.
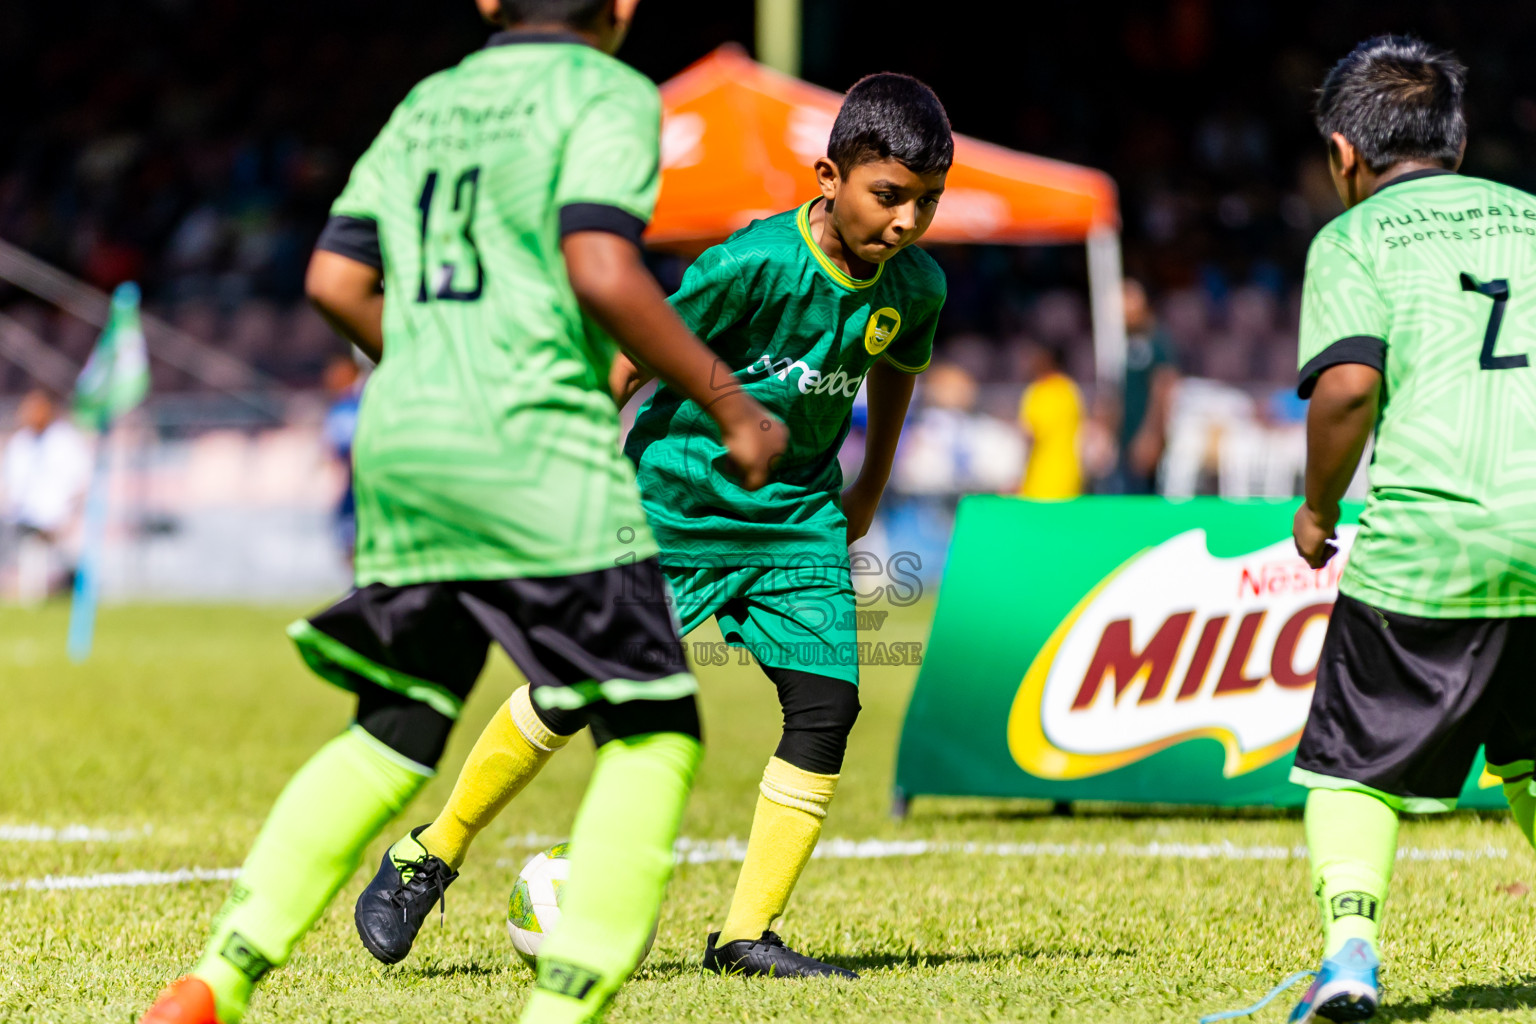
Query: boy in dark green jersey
[[1419, 307], [485, 247], [805, 307]]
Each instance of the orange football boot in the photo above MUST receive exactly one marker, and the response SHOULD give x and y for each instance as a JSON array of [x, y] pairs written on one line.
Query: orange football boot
[[188, 1001]]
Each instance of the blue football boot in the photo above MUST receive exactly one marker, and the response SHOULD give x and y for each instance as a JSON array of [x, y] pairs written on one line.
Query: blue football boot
[[1345, 988]]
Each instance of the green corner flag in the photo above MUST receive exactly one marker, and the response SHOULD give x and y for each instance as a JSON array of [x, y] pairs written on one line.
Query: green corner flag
[[115, 379]]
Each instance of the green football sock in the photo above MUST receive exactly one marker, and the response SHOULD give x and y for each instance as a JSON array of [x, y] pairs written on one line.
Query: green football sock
[[1522, 805], [330, 811], [621, 858], [1352, 839]]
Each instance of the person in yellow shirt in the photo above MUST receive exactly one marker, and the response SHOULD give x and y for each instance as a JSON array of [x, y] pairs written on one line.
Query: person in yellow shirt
[[1051, 415]]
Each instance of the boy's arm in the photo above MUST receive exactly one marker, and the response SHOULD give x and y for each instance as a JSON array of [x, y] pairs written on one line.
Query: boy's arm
[[625, 378], [347, 294], [890, 392], [614, 287], [1341, 353], [1345, 401], [710, 300], [345, 279]]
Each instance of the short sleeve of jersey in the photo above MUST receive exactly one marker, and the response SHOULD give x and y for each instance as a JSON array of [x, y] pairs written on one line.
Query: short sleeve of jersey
[[363, 196], [1343, 316], [912, 350], [613, 153], [710, 297]]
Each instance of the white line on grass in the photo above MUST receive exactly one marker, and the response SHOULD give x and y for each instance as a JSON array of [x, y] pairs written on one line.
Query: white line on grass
[[121, 879], [68, 834], [711, 851]]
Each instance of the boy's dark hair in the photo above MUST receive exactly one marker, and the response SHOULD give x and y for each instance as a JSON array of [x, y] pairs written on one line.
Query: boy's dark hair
[[1396, 98], [889, 116], [562, 12]]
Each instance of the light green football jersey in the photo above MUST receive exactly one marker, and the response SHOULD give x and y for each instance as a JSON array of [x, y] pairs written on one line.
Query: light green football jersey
[[800, 335], [1433, 281], [487, 443]]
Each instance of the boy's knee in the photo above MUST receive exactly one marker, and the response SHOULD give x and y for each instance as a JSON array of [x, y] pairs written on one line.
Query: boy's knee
[[408, 727], [819, 713], [643, 717]]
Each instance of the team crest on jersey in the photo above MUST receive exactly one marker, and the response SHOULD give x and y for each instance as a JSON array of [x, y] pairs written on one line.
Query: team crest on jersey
[[881, 330]]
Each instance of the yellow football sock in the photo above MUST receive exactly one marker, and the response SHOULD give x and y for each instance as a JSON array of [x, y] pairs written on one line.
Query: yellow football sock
[[510, 752], [791, 806]]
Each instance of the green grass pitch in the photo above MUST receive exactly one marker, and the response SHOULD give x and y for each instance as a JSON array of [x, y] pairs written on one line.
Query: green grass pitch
[[174, 739]]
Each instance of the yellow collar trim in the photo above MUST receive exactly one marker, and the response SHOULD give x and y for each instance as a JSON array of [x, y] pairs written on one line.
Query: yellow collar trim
[[803, 221]]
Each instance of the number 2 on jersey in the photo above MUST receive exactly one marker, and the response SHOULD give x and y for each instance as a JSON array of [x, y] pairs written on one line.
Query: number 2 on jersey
[[469, 182], [1498, 291]]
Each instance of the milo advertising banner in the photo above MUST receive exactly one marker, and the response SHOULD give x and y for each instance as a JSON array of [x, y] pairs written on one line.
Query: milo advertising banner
[[1123, 649]]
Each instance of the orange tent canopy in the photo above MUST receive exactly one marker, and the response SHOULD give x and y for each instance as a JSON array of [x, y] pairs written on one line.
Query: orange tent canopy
[[738, 140]]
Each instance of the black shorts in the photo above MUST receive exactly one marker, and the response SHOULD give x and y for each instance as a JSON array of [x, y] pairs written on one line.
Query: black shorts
[[1402, 704], [598, 648]]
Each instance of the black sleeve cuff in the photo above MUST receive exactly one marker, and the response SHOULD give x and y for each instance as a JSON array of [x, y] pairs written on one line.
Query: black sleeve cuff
[[352, 237], [1362, 349], [576, 217]]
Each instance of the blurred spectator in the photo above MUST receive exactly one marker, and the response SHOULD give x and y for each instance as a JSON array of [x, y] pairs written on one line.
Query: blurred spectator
[[343, 381], [1051, 415], [1151, 375], [46, 469]]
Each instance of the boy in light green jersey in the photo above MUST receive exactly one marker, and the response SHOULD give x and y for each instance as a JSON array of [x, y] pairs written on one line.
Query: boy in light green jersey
[[1417, 323], [486, 250], [804, 307]]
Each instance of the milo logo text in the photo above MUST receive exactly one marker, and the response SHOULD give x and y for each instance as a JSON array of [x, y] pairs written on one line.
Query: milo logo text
[[1179, 644]]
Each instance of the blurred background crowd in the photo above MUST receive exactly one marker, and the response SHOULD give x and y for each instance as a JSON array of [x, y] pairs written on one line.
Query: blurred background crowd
[[195, 145]]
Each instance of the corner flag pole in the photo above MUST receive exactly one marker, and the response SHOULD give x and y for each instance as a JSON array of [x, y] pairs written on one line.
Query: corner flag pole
[[82, 608], [115, 379], [778, 35]]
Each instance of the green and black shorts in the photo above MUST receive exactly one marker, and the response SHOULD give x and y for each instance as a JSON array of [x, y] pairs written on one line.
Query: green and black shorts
[[1403, 703], [598, 648]]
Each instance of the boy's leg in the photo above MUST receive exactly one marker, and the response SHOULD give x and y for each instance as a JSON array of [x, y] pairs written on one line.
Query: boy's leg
[[1511, 744], [515, 745], [1401, 705], [310, 845], [621, 858], [512, 750], [1352, 843], [796, 791], [604, 644], [339, 801], [802, 632]]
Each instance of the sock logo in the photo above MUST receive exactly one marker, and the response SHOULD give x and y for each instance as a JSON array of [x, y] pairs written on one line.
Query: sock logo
[[1354, 904], [566, 979], [240, 953]]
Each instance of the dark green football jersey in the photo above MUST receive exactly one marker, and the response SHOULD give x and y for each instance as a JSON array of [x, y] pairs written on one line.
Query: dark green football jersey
[[487, 444], [800, 335], [1433, 281]]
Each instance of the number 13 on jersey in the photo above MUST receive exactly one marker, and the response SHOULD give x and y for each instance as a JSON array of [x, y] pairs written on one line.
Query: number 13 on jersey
[[444, 251]]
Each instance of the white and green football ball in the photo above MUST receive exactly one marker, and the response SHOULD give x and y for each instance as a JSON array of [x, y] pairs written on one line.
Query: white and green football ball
[[534, 908]]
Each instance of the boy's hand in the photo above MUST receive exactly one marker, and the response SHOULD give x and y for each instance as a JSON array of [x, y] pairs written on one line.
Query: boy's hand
[[1315, 536], [753, 437], [859, 504]]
